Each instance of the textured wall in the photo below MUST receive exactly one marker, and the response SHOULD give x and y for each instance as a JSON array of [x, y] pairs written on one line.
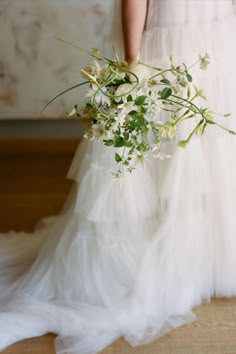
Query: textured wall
[[34, 66]]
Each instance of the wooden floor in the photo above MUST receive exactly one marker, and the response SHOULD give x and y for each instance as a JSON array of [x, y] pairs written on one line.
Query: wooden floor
[[33, 180], [33, 185]]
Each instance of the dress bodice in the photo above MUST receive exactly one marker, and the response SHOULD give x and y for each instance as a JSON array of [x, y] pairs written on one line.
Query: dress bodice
[[174, 12]]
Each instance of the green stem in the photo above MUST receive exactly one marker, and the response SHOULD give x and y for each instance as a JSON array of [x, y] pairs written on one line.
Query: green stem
[[96, 106], [161, 73], [177, 103], [183, 119], [225, 129], [85, 50], [191, 66], [62, 93], [194, 130], [150, 66], [191, 103]]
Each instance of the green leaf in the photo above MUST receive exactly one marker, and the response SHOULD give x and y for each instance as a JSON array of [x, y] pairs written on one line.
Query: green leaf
[[189, 77], [133, 125], [129, 98], [88, 106], [133, 113], [109, 142], [165, 93], [118, 158], [138, 122], [128, 144], [126, 136], [118, 141], [139, 101], [165, 81], [143, 147], [143, 110]]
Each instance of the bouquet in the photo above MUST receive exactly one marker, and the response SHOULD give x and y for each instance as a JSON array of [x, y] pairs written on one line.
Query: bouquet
[[123, 105]]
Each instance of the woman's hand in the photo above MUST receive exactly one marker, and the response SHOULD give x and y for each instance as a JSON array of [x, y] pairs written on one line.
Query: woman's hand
[[134, 14]]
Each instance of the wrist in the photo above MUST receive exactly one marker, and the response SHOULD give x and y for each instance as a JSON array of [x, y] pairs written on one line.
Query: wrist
[[131, 58]]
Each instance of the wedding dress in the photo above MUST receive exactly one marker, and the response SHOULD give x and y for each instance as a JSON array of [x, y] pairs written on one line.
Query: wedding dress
[[133, 260]]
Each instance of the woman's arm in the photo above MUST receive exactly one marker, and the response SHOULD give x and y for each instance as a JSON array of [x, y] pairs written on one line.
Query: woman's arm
[[133, 21], [234, 6]]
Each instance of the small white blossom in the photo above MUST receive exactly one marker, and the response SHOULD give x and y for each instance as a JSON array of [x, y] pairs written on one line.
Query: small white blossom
[[104, 73], [99, 131], [138, 158], [182, 81], [100, 97], [73, 112], [153, 106], [96, 132], [91, 70], [140, 71], [89, 135], [204, 61], [124, 109], [200, 92], [123, 90]]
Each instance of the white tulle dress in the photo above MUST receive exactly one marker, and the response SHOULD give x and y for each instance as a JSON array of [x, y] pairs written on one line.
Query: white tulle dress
[[133, 260]]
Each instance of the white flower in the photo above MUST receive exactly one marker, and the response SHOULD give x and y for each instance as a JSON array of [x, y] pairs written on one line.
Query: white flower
[[153, 106], [139, 70], [104, 73], [182, 81], [88, 76], [89, 135], [100, 97], [91, 70], [123, 90], [200, 92], [99, 131], [124, 109], [74, 111], [138, 158], [204, 61]]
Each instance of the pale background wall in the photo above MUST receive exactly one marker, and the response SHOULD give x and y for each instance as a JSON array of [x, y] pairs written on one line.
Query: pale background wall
[[34, 66]]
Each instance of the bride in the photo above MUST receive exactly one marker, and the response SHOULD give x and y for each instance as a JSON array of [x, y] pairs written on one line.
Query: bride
[[134, 260]]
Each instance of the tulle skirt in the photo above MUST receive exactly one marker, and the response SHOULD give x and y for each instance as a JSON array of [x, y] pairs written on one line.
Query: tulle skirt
[[133, 259]]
